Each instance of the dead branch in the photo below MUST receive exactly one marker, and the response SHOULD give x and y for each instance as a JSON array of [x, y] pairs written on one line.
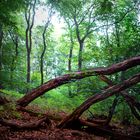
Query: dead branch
[[31, 125], [103, 130]]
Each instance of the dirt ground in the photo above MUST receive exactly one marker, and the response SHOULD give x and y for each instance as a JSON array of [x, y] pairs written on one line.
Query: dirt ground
[[45, 132]]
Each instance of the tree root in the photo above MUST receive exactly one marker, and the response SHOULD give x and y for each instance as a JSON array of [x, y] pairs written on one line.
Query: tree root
[[103, 130], [29, 125], [106, 130]]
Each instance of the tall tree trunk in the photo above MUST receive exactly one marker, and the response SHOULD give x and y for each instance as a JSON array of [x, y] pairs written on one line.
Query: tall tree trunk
[[70, 60], [27, 17], [45, 46], [81, 43], [70, 52], [51, 84], [30, 23], [80, 59], [1, 37], [28, 65], [15, 57], [42, 55]]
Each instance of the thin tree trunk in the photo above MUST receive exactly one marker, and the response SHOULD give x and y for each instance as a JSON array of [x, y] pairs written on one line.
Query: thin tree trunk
[[80, 59], [29, 37], [112, 110], [28, 65], [67, 122], [14, 59], [70, 52], [70, 59], [42, 55], [44, 44], [51, 84], [27, 45], [43, 52], [1, 37]]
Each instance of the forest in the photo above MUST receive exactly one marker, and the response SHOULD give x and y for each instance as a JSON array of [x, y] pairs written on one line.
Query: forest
[[69, 69]]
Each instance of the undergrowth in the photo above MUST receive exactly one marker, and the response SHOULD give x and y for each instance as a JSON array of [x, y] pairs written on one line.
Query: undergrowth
[[57, 100]]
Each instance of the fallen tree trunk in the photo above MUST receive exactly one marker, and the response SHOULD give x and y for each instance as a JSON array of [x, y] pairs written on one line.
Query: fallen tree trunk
[[122, 66], [133, 104], [134, 111], [102, 130], [98, 97], [30, 125], [131, 99], [127, 97]]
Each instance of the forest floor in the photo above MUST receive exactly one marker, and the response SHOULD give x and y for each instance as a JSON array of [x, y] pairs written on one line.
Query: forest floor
[[46, 132], [43, 132]]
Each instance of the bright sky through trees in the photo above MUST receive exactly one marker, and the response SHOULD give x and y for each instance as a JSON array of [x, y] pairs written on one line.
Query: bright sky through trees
[[41, 16]]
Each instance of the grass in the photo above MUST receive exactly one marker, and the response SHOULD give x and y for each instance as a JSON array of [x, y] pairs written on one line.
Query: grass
[[54, 100]]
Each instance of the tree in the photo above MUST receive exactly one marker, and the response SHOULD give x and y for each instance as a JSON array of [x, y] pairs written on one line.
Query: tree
[[15, 40], [122, 66], [29, 16], [50, 13], [82, 20], [7, 16], [67, 122]]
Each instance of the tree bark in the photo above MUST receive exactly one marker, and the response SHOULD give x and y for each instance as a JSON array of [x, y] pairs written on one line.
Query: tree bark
[[1, 37], [31, 125], [98, 97], [42, 55], [70, 56], [30, 23], [27, 17], [51, 84], [14, 38], [45, 46], [71, 49], [112, 110], [133, 104], [103, 130], [80, 58]]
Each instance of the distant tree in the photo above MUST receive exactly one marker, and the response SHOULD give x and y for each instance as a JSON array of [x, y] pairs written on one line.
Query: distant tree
[[50, 13], [9, 9]]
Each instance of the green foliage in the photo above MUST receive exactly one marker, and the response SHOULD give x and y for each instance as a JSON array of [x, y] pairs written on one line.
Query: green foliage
[[8, 111], [11, 94], [8, 8]]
